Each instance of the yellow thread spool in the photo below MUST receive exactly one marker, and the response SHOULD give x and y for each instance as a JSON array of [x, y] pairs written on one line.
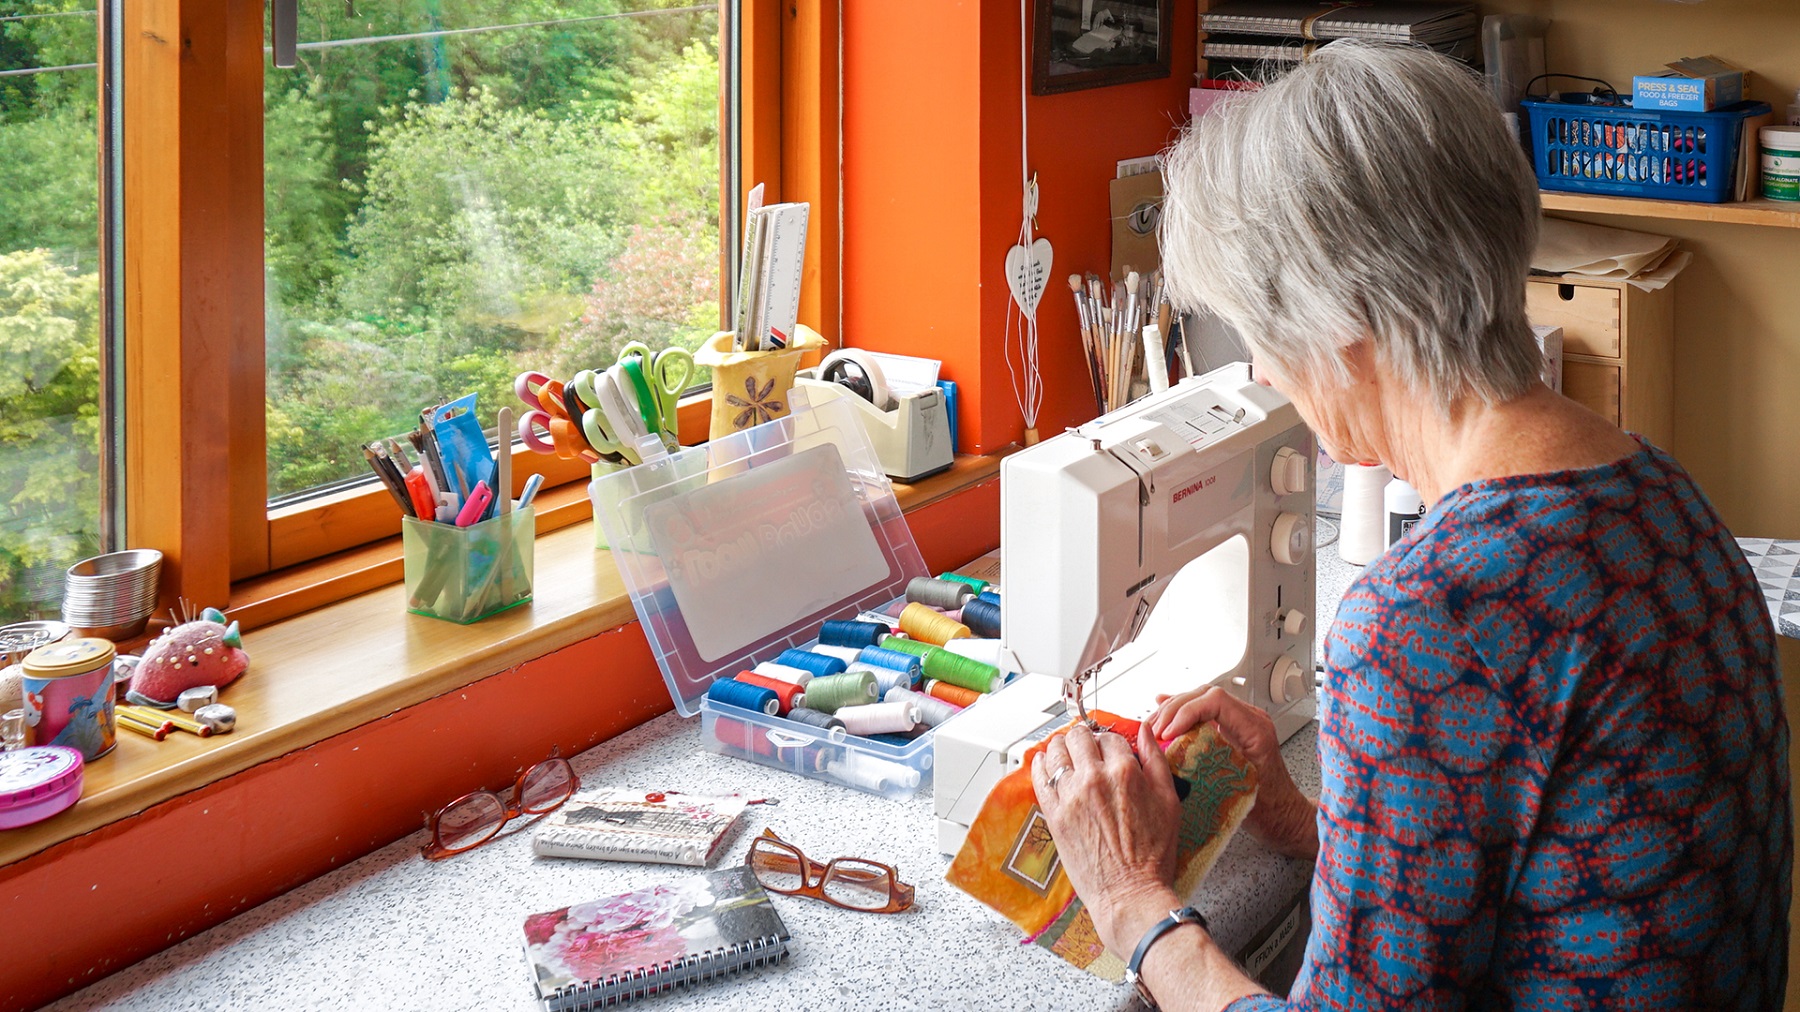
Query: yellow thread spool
[[926, 625]]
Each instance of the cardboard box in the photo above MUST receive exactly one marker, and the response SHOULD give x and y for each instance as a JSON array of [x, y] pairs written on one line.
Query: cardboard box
[[1696, 84]]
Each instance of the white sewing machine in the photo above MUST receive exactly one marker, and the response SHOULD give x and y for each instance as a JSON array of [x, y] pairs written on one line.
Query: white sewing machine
[[1199, 498]]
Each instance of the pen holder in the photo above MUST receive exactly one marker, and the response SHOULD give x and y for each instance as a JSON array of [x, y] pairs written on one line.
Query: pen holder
[[465, 574], [751, 387]]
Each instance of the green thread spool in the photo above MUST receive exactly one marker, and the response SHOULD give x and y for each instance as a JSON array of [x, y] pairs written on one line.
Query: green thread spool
[[906, 646], [944, 666], [979, 585], [834, 692]]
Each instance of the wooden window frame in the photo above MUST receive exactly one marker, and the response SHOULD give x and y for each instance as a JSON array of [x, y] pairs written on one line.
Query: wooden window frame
[[195, 449]]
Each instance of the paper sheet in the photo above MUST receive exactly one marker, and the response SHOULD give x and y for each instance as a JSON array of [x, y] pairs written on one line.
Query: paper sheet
[[1613, 254]]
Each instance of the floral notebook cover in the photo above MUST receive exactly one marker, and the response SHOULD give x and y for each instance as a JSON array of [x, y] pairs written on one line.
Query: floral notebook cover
[[649, 940]]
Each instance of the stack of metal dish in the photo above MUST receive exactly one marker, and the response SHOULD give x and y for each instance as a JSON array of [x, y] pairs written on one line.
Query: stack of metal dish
[[112, 596]]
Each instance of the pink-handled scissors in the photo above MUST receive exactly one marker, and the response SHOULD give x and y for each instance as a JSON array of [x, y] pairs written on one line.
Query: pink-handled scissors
[[543, 396]]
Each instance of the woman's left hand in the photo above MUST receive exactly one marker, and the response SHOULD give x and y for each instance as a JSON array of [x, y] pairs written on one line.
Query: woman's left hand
[[1114, 817]]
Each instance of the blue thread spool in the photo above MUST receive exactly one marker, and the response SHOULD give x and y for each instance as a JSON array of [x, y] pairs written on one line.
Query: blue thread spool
[[852, 634], [982, 618], [819, 664], [885, 678], [988, 596], [899, 660], [749, 697]]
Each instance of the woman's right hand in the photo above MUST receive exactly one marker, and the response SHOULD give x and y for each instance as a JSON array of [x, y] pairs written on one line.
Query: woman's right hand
[[1284, 819]]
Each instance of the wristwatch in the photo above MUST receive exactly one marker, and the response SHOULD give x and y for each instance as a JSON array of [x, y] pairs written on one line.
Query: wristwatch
[[1186, 915]]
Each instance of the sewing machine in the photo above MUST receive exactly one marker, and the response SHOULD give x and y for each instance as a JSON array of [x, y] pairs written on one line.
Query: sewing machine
[[1198, 498]]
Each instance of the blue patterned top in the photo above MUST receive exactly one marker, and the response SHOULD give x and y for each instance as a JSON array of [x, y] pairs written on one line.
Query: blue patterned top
[[1554, 760]]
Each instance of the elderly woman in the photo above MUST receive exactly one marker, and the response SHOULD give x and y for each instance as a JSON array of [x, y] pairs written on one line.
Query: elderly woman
[[1552, 739]]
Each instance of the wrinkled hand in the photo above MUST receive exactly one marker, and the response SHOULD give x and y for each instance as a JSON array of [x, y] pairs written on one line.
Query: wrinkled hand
[[1115, 818], [1284, 819]]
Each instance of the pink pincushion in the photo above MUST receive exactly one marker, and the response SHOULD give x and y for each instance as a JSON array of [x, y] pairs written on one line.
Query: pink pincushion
[[203, 652]]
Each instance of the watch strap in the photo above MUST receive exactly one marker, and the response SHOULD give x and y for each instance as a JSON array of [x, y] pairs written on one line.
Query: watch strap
[[1186, 915]]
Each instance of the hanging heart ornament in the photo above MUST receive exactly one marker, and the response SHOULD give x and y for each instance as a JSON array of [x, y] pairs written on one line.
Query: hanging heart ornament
[[1027, 272]]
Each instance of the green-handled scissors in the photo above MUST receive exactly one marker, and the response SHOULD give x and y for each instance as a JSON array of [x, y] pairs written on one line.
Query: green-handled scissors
[[668, 373]]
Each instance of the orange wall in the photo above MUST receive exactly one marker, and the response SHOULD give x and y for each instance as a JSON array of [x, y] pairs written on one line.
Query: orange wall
[[83, 909], [932, 196]]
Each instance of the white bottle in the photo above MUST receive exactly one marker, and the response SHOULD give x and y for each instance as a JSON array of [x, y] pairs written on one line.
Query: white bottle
[[1359, 542], [1404, 508], [1793, 116]]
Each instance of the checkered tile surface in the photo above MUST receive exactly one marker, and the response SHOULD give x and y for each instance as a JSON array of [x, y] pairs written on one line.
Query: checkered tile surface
[[1777, 565]]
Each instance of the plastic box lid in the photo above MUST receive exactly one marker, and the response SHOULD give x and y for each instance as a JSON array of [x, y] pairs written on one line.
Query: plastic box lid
[[737, 549]]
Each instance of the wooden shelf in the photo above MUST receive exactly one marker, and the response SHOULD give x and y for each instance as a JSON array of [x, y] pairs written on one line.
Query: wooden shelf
[[1777, 213]]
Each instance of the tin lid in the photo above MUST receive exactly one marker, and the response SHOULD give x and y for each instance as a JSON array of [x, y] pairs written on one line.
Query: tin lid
[[30, 775], [70, 657], [737, 549], [21, 638]]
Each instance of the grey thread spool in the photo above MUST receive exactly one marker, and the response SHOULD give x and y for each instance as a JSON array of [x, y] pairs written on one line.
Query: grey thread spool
[[945, 595], [885, 678], [813, 718], [932, 710]]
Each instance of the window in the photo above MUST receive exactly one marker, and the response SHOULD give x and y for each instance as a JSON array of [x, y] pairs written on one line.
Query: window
[[457, 193], [435, 197], [50, 307]]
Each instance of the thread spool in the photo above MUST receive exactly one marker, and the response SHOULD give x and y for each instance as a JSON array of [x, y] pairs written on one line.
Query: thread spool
[[870, 774], [932, 710], [987, 651], [813, 718], [951, 693], [1360, 534], [982, 618], [905, 645], [956, 669], [899, 659], [927, 626], [845, 654], [783, 673], [749, 697], [786, 692], [879, 718], [885, 678], [819, 664], [897, 740], [989, 596], [851, 634], [742, 739], [975, 583], [834, 692], [945, 594]]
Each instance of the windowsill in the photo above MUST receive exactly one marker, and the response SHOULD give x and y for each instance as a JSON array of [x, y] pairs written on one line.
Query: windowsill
[[356, 660]]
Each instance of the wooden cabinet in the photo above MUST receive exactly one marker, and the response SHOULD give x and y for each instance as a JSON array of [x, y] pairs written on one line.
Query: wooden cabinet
[[1618, 349]]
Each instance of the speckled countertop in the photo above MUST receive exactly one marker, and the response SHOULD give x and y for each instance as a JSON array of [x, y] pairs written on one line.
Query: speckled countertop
[[392, 931]]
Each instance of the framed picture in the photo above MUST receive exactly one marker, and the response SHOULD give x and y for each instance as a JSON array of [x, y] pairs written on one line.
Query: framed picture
[[1094, 43]]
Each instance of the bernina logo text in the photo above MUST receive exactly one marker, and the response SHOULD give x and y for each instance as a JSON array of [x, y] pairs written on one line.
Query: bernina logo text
[[1181, 494]]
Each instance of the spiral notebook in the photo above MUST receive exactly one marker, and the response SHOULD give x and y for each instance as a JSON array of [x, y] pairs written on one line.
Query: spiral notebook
[[673, 934]]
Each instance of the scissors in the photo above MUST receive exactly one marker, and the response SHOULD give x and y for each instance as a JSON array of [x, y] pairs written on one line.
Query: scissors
[[667, 373], [544, 396], [597, 428]]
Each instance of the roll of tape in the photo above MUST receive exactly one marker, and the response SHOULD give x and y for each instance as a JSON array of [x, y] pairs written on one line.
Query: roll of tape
[[858, 370]]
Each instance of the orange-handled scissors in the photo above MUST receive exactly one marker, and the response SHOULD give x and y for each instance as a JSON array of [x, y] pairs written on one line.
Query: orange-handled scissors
[[544, 396]]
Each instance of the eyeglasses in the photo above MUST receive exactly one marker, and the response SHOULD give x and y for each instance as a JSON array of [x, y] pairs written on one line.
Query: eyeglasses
[[475, 818], [848, 882]]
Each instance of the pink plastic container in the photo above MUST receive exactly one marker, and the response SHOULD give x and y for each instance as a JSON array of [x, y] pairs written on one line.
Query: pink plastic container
[[36, 783]]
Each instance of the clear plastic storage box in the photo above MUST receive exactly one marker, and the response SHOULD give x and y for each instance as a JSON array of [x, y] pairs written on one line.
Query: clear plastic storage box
[[738, 549]]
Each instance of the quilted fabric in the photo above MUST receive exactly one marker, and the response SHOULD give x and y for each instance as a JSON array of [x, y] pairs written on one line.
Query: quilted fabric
[[1554, 759]]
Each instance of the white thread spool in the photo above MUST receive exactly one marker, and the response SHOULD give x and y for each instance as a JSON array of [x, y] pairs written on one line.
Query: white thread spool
[[871, 774], [1363, 528], [845, 654], [932, 710], [879, 718], [985, 651], [783, 673]]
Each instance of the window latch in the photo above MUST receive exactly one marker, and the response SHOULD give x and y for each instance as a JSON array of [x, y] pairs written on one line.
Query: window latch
[[284, 26]]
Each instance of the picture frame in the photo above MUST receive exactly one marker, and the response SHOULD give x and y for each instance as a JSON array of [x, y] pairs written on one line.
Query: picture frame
[[1079, 44]]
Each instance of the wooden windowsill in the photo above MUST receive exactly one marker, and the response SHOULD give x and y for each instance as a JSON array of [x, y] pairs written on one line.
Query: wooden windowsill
[[342, 665]]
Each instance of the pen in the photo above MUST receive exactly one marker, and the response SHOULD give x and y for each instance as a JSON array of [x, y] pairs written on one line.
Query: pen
[[531, 490], [389, 479]]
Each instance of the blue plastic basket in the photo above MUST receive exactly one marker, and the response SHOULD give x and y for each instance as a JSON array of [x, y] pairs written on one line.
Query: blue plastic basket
[[1587, 147]]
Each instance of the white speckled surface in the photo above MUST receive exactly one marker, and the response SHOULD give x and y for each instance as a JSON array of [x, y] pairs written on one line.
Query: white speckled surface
[[392, 931]]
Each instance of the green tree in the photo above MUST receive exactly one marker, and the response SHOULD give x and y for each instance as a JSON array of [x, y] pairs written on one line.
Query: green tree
[[49, 425]]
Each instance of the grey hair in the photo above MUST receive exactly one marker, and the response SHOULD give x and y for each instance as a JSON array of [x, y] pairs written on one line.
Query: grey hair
[[1374, 192]]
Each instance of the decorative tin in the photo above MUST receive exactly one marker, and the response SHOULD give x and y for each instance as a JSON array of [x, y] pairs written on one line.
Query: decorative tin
[[69, 696], [36, 783]]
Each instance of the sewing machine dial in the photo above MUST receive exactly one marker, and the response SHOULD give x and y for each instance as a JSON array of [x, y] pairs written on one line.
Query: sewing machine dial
[[1288, 472], [1291, 540], [1287, 682]]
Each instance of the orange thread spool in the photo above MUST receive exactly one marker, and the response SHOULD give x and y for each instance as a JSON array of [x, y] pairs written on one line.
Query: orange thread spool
[[951, 693], [785, 691], [927, 625]]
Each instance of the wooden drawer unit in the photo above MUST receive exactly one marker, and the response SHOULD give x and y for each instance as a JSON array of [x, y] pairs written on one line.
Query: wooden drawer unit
[[1618, 349]]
